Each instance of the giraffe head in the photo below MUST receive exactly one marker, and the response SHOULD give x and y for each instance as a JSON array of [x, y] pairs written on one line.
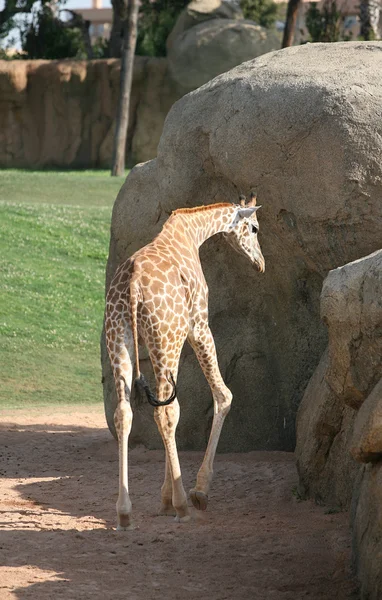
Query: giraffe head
[[244, 228]]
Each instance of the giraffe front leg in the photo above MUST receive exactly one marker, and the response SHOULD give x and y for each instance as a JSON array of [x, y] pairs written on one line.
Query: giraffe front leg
[[205, 351], [123, 418], [222, 404]]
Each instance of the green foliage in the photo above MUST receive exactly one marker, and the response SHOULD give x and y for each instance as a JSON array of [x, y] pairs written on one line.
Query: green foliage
[[325, 24], [52, 269], [263, 12], [156, 20], [101, 48], [47, 37]]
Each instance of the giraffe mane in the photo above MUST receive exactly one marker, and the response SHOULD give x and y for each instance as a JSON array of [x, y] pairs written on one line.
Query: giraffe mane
[[186, 211]]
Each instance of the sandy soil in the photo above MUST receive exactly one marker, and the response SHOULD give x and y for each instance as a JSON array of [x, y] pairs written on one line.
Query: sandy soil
[[58, 492]]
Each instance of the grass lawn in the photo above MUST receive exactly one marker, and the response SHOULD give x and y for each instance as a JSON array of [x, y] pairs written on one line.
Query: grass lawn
[[54, 239]]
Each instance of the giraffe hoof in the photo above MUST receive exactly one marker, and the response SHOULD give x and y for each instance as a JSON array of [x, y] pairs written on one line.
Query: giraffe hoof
[[199, 499], [125, 523], [167, 510], [182, 519], [127, 528]]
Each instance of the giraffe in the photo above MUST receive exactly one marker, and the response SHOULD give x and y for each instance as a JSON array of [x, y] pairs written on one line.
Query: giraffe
[[159, 297]]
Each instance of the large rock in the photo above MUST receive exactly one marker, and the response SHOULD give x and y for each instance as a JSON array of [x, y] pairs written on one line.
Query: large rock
[[329, 429], [215, 46], [366, 444], [367, 531], [351, 305], [198, 11], [324, 430], [329, 432], [210, 37], [301, 125]]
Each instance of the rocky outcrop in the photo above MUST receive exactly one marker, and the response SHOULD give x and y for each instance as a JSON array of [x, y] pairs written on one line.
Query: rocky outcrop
[[366, 443], [340, 417], [351, 307], [211, 37], [296, 125], [324, 431], [367, 530], [330, 431]]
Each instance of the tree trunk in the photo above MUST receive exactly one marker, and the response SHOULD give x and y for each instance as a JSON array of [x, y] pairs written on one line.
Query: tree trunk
[[120, 15], [290, 23], [127, 66]]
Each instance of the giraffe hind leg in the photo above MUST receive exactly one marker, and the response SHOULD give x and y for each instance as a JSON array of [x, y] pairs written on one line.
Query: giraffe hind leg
[[122, 362]]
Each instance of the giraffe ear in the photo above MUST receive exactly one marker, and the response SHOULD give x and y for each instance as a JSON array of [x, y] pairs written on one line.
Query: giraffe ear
[[246, 212], [243, 213]]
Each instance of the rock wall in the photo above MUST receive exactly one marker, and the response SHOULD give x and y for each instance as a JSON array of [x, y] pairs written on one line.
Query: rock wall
[[339, 422], [61, 113], [303, 127]]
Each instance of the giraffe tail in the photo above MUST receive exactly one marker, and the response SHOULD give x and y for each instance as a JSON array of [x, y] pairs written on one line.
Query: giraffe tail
[[142, 384], [140, 381]]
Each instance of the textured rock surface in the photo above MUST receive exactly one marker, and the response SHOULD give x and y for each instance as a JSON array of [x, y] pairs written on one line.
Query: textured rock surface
[[324, 428], [329, 432], [351, 305], [215, 46], [366, 443], [303, 127], [367, 531], [62, 112], [198, 11]]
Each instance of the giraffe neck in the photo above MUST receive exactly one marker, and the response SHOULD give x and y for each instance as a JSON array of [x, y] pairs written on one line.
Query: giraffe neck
[[199, 225]]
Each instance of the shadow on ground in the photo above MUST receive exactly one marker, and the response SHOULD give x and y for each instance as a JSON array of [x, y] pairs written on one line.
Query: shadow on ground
[[254, 542]]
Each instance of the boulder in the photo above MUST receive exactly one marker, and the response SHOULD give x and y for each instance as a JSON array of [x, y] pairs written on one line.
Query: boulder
[[351, 306], [215, 46], [366, 444], [302, 126], [331, 432], [324, 428], [367, 531]]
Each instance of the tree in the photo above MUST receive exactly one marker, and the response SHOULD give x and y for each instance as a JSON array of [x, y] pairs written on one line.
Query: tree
[[156, 20], [290, 23], [130, 28], [370, 19], [325, 24], [263, 12], [46, 34]]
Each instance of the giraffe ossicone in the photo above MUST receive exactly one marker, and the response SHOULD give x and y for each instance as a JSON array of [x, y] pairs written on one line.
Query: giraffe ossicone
[[159, 297]]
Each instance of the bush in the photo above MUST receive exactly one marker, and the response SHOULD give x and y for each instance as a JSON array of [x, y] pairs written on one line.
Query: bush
[[325, 25], [48, 37], [156, 20], [263, 12]]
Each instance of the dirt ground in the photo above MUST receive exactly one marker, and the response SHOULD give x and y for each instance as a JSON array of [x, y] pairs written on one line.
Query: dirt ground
[[57, 538]]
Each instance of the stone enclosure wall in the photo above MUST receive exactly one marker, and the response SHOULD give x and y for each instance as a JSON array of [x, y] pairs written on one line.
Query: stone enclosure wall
[[61, 113]]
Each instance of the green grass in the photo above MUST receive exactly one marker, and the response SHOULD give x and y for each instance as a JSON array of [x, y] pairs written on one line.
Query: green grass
[[54, 238]]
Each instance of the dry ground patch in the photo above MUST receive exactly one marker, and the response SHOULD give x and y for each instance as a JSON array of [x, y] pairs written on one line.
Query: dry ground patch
[[59, 487]]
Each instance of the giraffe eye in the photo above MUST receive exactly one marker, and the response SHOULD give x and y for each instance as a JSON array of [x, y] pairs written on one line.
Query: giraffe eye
[[254, 229]]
